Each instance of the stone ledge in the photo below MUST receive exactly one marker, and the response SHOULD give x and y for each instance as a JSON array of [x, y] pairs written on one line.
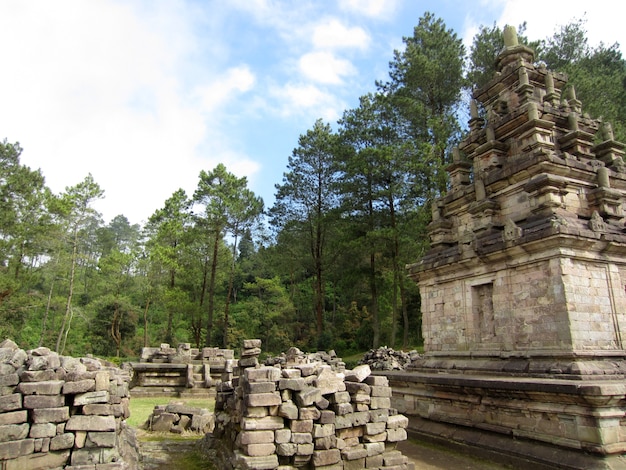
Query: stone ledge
[[507, 450]]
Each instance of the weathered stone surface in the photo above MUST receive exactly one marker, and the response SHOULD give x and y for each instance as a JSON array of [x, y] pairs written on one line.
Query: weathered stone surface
[[16, 446], [257, 463], [100, 439], [14, 432], [396, 435], [38, 375], [79, 386], [259, 450], [43, 430], [358, 374], [49, 387], [256, 437], [13, 417], [307, 397], [266, 423], [62, 441], [9, 380], [90, 423], [264, 399], [397, 421], [43, 401], [325, 457], [88, 398], [288, 410], [163, 422], [50, 415], [39, 461]]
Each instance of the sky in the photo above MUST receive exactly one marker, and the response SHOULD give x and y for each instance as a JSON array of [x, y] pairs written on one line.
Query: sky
[[144, 94]]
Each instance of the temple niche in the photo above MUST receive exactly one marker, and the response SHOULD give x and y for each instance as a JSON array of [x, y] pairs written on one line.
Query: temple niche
[[523, 287]]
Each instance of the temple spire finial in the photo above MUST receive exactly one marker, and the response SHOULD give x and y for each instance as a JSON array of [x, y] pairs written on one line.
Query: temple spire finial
[[510, 36]]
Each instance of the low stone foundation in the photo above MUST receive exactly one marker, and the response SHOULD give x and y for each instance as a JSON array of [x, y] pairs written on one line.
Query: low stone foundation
[[575, 418], [182, 370], [306, 415], [63, 412]]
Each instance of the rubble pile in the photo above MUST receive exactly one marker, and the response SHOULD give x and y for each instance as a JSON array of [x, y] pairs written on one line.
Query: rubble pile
[[63, 412], [306, 415], [296, 356], [178, 418], [385, 358]]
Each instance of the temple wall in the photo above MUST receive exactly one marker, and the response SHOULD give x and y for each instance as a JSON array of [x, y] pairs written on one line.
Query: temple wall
[[62, 412]]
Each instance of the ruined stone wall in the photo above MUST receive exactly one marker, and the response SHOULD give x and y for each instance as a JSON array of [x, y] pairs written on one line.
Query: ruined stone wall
[[62, 412], [307, 415]]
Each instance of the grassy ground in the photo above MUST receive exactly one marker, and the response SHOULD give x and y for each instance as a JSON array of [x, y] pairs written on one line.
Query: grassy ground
[[141, 407]]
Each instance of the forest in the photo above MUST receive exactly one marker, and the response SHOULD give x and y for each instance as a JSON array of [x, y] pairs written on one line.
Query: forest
[[323, 268]]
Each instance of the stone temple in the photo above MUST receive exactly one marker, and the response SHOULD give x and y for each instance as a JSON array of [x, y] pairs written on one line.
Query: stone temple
[[524, 286]]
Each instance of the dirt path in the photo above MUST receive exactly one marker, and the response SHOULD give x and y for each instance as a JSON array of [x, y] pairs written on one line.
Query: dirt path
[[429, 457]]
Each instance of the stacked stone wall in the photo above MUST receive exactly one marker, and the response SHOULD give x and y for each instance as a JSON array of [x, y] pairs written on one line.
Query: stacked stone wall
[[63, 412], [306, 415]]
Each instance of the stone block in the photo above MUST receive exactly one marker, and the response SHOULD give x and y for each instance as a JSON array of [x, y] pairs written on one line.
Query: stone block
[[9, 380], [377, 380], [379, 391], [14, 417], [40, 461], [324, 443], [163, 422], [396, 435], [323, 430], [296, 384], [339, 397], [42, 430], [256, 437], [259, 450], [14, 432], [356, 387], [305, 449], [307, 370], [49, 387], [298, 425], [354, 453], [251, 343], [374, 448], [102, 380], [10, 402], [264, 399], [16, 447], [375, 461], [102, 409], [90, 423], [79, 386], [327, 417], [358, 374], [307, 397], [380, 402], [43, 401], [260, 387], [309, 412], [382, 437], [360, 418], [286, 449], [263, 374], [301, 438], [325, 457], [50, 415], [282, 436], [88, 398], [93, 456], [393, 457], [288, 410], [62, 441], [38, 375], [291, 373], [257, 463], [379, 415], [251, 362], [251, 352], [375, 428], [356, 464], [100, 439], [397, 421], [267, 423]]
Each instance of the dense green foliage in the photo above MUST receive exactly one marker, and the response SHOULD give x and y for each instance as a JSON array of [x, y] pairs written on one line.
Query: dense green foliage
[[324, 267]]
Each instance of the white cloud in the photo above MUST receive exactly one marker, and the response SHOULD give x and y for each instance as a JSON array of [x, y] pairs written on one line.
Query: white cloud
[[297, 99], [324, 67], [235, 80], [332, 34], [100, 87], [372, 8]]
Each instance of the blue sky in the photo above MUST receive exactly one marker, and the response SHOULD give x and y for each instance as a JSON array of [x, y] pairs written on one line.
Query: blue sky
[[143, 94]]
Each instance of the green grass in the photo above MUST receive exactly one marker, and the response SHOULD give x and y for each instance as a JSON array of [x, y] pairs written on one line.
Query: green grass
[[141, 407]]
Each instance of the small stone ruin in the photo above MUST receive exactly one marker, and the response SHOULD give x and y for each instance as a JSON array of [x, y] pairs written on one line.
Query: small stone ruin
[[180, 370], [385, 358], [305, 415], [178, 418], [63, 412]]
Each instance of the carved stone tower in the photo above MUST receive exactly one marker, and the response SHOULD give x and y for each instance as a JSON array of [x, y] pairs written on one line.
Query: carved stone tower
[[524, 283]]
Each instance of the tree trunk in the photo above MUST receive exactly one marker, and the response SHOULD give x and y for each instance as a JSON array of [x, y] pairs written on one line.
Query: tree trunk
[[230, 292], [209, 323], [145, 324], [67, 318]]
